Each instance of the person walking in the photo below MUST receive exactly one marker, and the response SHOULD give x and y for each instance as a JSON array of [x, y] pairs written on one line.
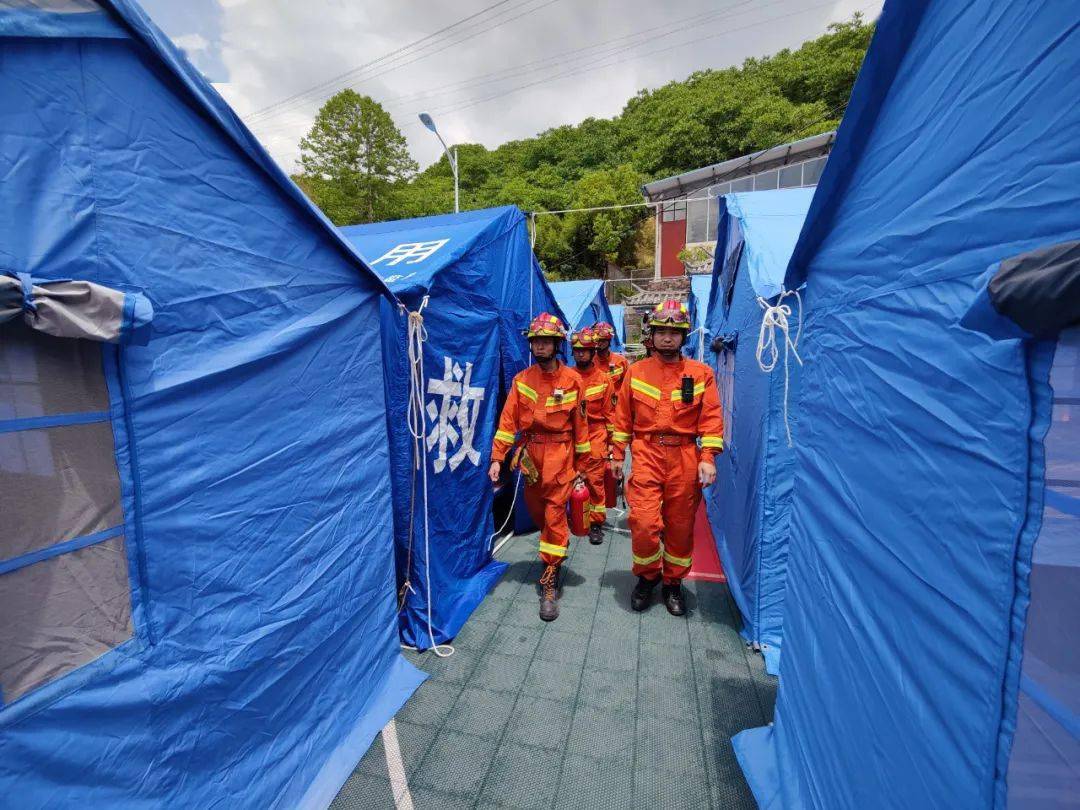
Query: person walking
[[614, 362], [669, 403], [545, 407], [599, 403]]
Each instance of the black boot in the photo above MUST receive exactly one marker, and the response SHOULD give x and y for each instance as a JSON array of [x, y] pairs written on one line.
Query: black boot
[[549, 594], [642, 593], [674, 600], [596, 534]]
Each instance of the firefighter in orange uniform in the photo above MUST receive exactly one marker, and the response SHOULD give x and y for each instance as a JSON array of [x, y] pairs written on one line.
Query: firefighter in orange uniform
[[599, 404], [669, 402], [613, 361], [545, 406]]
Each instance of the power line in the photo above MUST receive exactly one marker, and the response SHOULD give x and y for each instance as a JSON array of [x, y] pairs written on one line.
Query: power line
[[328, 88], [366, 65], [574, 54], [450, 110], [680, 25]]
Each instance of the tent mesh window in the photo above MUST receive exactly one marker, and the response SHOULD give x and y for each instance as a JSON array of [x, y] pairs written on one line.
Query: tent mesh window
[[64, 590], [1044, 770]]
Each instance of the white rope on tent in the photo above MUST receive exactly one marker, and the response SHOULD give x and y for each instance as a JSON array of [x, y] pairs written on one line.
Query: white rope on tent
[[415, 337], [700, 352], [774, 318]]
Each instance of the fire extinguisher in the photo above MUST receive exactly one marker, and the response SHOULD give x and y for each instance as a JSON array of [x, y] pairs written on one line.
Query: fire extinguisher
[[579, 510], [611, 493]]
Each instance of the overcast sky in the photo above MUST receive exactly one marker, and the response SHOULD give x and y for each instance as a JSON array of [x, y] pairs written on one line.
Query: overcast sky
[[509, 72]]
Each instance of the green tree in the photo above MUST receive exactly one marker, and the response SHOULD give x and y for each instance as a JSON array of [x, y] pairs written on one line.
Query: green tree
[[354, 160]]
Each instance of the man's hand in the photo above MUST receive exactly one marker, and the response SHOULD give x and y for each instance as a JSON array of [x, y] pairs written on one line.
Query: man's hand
[[494, 470], [616, 468], [706, 472]]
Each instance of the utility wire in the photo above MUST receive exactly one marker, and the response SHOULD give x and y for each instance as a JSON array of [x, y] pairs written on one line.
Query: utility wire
[[450, 110], [572, 55], [366, 65], [328, 88]]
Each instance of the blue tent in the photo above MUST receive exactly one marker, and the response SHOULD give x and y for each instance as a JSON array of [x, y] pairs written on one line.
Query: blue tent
[[700, 292], [584, 304], [618, 320], [196, 576], [477, 273], [919, 484], [748, 504]]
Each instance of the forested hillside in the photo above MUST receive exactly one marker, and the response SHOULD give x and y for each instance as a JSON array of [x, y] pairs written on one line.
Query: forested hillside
[[711, 116]]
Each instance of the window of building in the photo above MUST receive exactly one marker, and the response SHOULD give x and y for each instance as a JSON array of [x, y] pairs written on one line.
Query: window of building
[[65, 596], [697, 221], [743, 184], [766, 180], [791, 176], [812, 170]]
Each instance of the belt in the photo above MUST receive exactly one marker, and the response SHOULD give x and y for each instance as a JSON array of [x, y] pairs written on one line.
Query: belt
[[670, 439], [547, 437]]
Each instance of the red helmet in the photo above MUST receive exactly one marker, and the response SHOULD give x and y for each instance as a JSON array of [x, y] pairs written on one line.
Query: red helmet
[[545, 325], [584, 339], [604, 330], [671, 314]]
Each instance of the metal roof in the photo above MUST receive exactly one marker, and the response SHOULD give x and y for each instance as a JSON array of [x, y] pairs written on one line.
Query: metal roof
[[795, 152]]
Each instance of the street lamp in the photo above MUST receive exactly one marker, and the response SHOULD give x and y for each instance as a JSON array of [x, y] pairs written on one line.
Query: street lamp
[[428, 122]]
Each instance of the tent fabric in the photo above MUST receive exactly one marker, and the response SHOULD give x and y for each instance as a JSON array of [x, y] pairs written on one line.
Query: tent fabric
[[618, 320], [584, 304], [250, 514], [700, 291], [748, 505], [919, 454], [75, 309], [482, 285]]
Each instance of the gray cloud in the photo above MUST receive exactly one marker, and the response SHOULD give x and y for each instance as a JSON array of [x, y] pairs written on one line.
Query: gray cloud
[[272, 49]]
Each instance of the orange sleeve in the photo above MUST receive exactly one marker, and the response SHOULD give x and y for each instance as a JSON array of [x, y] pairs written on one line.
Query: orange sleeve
[[609, 405], [580, 426], [622, 420], [508, 421], [711, 419]]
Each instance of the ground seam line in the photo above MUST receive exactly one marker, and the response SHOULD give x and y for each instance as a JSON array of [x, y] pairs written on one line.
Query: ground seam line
[[395, 768], [581, 681]]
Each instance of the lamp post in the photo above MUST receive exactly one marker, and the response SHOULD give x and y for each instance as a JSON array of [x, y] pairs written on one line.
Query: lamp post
[[428, 122]]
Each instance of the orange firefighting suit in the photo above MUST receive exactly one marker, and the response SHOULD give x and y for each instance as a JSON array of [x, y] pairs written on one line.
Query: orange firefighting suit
[[599, 403], [548, 409], [663, 491], [617, 365]]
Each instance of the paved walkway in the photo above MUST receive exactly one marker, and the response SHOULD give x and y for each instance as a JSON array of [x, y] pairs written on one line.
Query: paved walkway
[[603, 708]]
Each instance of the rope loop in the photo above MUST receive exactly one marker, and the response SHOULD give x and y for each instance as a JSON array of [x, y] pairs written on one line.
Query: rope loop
[[774, 319], [416, 335]]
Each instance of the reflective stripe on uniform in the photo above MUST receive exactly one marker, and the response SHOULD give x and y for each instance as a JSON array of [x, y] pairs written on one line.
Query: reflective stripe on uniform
[[699, 389], [525, 391], [615, 371], [713, 442], [646, 560], [593, 390], [568, 397], [548, 548], [598, 507], [503, 436], [584, 447], [644, 388], [685, 562], [619, 437]]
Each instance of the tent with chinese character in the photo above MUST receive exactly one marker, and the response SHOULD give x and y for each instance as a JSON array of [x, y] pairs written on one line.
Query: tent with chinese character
[[473, 279], [584, 303], [196, 572], [698, 341], [907, 677], [748, 503]]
